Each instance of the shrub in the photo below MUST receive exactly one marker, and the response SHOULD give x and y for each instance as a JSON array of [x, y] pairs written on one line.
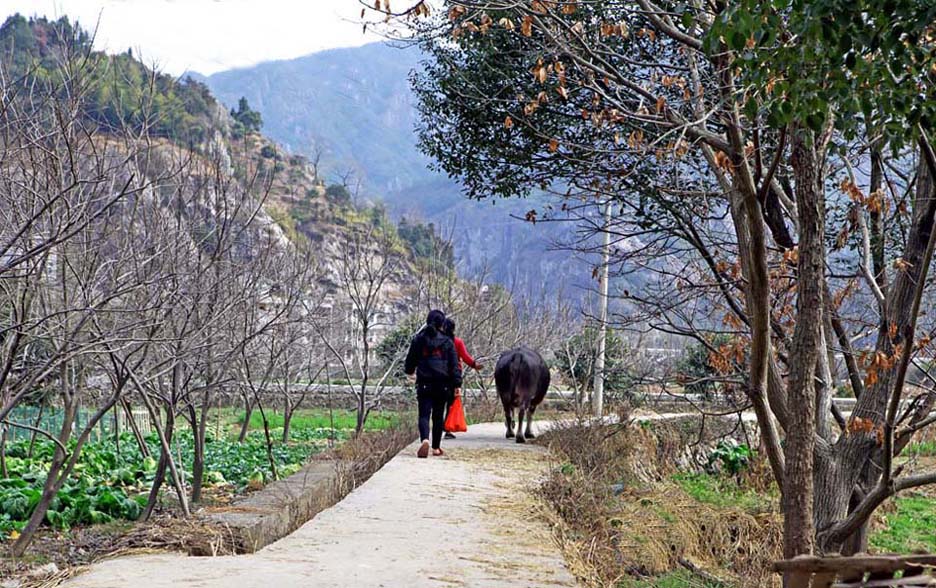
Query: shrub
[[424, 243], [580, 367], [394, 346], [731, 457], [338, 194], [695, 368]]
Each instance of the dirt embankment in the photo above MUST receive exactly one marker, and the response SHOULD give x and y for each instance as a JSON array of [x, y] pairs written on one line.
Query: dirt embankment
[[621, 516]]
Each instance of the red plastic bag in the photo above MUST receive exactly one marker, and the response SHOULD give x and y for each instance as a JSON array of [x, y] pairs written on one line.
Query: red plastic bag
[[455, 421]]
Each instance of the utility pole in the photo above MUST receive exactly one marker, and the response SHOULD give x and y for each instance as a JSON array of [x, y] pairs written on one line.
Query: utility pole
[[598, 387]]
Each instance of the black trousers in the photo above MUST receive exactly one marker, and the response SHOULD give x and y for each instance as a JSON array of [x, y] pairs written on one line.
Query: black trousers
[[432, 399]]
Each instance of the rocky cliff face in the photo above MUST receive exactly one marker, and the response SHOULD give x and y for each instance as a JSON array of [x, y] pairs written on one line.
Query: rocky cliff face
[[298, 209]]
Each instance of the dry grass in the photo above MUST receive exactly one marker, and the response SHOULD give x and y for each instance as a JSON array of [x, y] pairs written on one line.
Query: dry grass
[[50, 580], [360, 457], [194, 536], [72, 552], [660, 528], [618, 515], [487, 409]]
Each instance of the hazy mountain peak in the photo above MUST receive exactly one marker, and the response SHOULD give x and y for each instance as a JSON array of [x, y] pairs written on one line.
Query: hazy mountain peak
[[354, 105]]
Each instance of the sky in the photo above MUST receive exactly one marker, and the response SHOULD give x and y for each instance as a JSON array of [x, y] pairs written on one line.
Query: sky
[[207, 36]]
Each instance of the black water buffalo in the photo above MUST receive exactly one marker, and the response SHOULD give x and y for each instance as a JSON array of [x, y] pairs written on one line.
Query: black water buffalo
[[522, 380]]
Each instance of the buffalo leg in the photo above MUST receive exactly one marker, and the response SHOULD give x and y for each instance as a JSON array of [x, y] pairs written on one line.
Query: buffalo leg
[[508, 420], [520, 437], [529, 423]]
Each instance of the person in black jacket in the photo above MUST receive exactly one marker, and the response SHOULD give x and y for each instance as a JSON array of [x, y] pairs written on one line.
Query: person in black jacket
[[432, 358]]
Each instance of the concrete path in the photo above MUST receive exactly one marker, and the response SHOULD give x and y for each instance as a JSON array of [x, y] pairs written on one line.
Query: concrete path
[[466, 519]]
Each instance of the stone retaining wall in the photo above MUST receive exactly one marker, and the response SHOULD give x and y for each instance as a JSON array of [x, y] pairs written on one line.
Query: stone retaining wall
[[279, 509]]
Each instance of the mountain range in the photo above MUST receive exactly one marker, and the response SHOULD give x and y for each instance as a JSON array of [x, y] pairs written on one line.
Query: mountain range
[[354, 111]]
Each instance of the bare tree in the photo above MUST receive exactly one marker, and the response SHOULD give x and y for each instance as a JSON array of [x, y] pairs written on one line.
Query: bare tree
[[368, 261], [315, 160]]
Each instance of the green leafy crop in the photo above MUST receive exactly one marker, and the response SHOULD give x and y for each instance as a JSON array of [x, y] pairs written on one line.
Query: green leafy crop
[[108, 484]]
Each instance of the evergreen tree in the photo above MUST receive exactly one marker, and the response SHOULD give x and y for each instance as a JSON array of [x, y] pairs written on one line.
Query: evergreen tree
[[250, 119]]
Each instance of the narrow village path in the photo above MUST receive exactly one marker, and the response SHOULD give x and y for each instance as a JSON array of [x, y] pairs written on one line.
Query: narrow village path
[[466, 519]]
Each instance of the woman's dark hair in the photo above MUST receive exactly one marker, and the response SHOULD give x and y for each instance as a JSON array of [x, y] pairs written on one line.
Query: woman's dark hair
[[436, 319], [448, 328]]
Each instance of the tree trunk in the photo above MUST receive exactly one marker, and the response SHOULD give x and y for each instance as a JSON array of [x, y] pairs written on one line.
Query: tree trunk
[[748, 220], [360, 414], [165, 440], [287, 418], [799, 447], [198, 454], [3, 463], [141, 442], [116, 430], [858, 542], [825, 382], [750, 229], [165, 461], [365, 377], [153, 496], [32, 437], [877, 221], [854, 455], [200, 431], [245, 426], [50, 488], [269, 441], [62, 465]]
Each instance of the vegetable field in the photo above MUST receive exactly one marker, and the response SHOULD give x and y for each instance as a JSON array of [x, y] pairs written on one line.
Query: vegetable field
[[113, 476]]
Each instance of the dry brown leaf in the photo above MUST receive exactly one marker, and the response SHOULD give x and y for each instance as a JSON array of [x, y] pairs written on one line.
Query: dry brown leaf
[[456, 12], [723, 161]]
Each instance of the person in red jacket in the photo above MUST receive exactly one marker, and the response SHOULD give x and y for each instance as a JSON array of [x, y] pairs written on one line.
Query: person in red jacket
[[448, 328]]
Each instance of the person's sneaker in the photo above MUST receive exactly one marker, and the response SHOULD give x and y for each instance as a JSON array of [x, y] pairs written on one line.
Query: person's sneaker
[[449, 435], [438, 452], [423, 451]]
